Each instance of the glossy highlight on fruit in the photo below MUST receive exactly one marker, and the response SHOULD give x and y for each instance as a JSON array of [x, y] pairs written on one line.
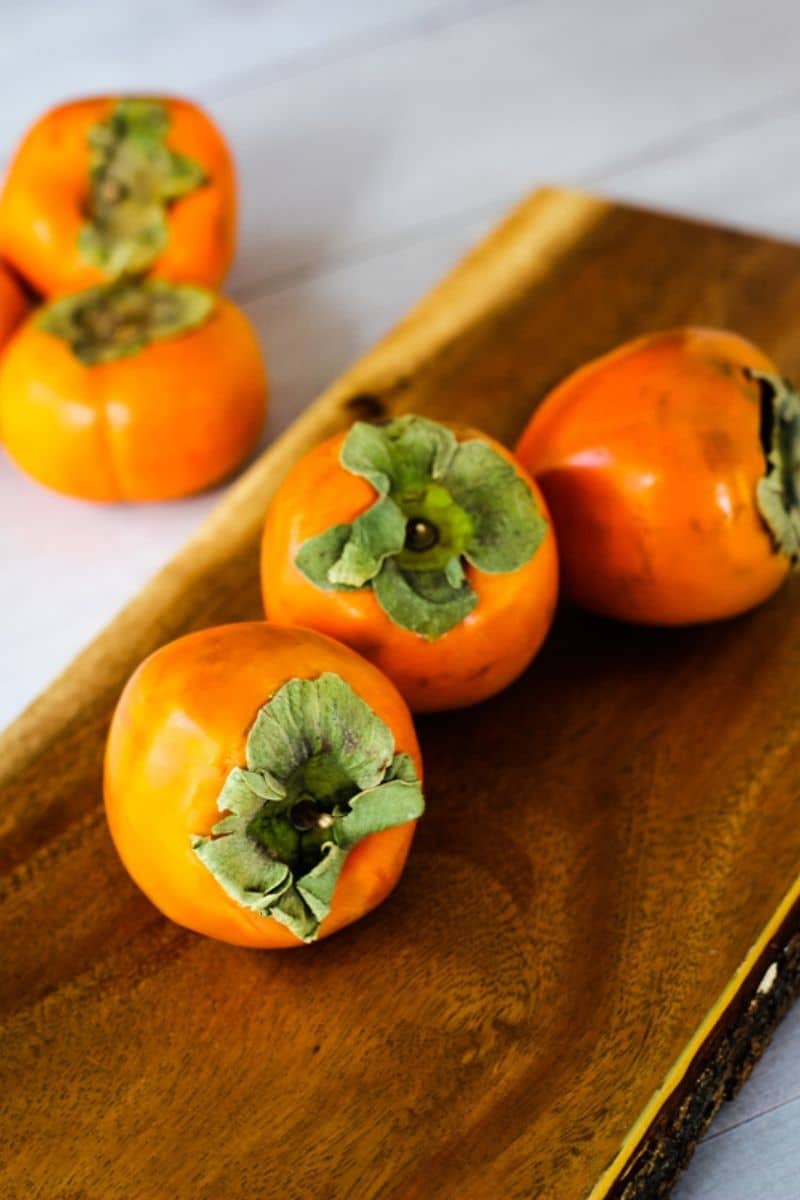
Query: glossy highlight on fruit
[[262, 783], [426, 549], [670, 467]]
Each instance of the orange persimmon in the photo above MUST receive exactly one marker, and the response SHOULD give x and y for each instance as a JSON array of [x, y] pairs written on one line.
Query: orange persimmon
[[13, 305], [428, 550], [307, 750], [133, 391], [113, 186], [670, 468]]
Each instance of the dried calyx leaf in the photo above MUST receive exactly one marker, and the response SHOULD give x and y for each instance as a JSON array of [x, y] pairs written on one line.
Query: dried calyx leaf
[[133, 178], [321, 774], [119, 319], [440, 502], [778, 491]]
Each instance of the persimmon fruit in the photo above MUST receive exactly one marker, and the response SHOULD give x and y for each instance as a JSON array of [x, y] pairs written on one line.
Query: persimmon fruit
[[427, 549], [670, 467], [117, 186], [137, 390], [262, 783]]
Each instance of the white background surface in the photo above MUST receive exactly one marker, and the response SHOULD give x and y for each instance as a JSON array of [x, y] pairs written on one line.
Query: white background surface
[[376, 139]]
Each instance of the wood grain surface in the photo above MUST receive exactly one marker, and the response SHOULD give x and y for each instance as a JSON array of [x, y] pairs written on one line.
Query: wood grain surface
[[608, 866]]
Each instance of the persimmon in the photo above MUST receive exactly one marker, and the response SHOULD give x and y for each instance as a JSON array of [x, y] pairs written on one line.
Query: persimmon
[[13, 305], [670, 467], [133, 391], [113, 186], [428, 550], [262, 783]]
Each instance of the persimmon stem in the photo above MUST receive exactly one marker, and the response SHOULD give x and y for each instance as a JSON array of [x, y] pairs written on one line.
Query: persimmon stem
[[420, 534]]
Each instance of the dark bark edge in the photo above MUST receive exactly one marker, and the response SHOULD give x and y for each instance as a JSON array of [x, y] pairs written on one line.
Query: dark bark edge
[[718, 1070]]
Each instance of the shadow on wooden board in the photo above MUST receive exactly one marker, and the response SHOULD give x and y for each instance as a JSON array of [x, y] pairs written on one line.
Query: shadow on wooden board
[[598, 927]]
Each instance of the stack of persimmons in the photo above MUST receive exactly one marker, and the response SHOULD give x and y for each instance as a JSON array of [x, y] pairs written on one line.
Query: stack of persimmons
[[133, 378], [263, 780]]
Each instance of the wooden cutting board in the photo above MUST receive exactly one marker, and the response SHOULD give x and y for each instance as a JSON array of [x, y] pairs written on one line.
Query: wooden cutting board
[[600, 922]]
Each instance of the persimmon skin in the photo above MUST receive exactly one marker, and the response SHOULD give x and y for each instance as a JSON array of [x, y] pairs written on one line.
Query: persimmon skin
[[181, 725], [167, 421], [43, 202], [480, 656], [13, 305], [649, 458]]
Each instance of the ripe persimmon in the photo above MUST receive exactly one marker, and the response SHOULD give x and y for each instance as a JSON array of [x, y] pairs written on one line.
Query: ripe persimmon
[[132, 391], [307, 750], [671, 470], [112, 186], [13, 305], [429, 551]]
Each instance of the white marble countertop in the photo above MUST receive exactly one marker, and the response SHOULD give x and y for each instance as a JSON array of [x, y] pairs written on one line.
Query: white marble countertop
[[376, 139]]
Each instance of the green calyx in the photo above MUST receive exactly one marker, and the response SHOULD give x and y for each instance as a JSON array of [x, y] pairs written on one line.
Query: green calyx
[[437, 529], [778, 492], [133, 178], [321, 774], [115, 320], [440, 503]]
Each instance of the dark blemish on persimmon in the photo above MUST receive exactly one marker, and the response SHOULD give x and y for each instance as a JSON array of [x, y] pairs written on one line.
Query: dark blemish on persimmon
[[718, 448]]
